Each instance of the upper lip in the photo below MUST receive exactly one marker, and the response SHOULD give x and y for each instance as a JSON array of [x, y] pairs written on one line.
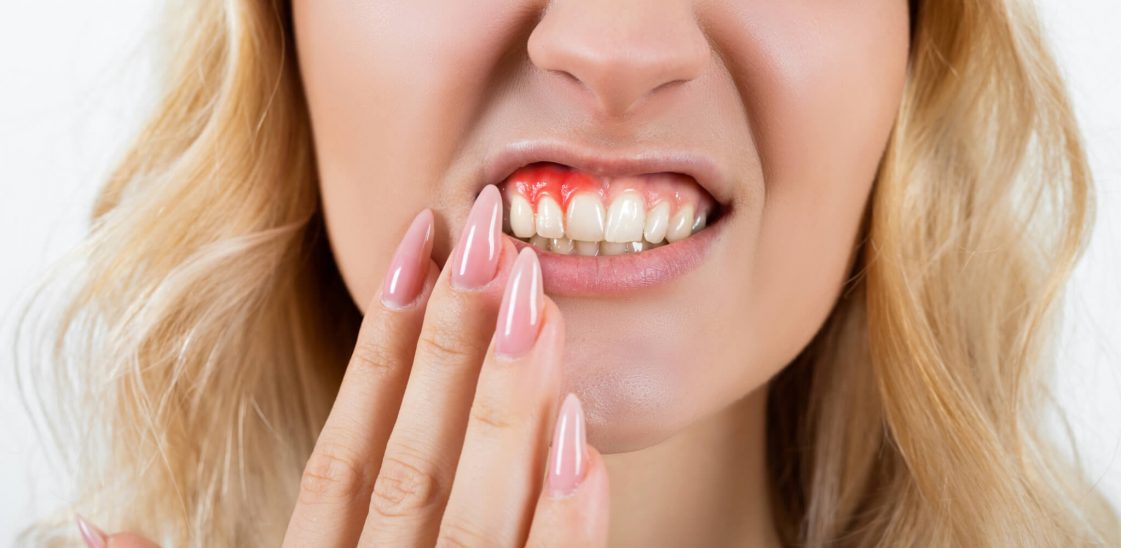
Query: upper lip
[[608, 163]]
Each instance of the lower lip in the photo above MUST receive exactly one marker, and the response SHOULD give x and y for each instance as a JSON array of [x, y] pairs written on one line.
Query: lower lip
[[577, 275]]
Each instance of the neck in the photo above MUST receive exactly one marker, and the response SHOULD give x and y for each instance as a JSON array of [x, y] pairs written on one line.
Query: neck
[[706, 486]]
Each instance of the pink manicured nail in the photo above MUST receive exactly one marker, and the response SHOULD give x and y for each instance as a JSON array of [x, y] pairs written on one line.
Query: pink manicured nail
[[519, 316], [94, 537], [409, 267], [566, 456], [475, 259]]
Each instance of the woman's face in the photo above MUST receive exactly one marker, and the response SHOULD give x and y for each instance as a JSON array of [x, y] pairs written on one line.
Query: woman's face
[[769, 116]]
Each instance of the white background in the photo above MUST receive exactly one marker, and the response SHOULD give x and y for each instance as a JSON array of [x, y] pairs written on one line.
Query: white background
[[74, 80]]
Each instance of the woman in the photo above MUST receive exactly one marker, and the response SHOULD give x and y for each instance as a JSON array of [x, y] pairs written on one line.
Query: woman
[[795, 262]]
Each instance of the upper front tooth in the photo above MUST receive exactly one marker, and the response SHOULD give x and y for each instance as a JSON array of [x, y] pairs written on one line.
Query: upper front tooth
[[656, 223], [585, 218], [521, 217], [681, 225], [626, 218], [550, 218]]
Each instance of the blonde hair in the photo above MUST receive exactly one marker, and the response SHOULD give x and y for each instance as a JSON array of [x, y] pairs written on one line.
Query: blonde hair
[[200, 350]]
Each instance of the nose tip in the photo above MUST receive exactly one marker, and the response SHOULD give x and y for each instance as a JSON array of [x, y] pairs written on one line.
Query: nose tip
[[619, 51]]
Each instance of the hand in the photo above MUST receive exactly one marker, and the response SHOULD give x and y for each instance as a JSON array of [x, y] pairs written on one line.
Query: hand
[[456, 441], [437, 437]]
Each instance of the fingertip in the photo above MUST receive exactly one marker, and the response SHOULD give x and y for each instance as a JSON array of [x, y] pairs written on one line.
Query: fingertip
[[412, 257], [596, 481], [552, 326], [577, 518], [92, 535], [509, 256]]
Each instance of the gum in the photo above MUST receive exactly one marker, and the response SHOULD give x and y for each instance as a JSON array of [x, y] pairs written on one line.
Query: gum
[[561, 182]]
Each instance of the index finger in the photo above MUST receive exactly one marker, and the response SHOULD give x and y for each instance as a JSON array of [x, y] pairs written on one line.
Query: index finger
[[339, 475]]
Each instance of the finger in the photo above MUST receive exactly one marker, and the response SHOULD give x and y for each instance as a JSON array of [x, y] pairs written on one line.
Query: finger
[[498, 477], [339, 475], [574, 505], [420, 458]]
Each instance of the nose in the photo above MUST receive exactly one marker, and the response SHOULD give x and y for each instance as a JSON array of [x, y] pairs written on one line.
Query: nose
[[620, 51]]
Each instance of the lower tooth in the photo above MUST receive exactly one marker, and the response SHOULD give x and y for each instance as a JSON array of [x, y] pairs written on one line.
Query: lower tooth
[[563, 246], [540, 242], [612, 248], [589, 249]]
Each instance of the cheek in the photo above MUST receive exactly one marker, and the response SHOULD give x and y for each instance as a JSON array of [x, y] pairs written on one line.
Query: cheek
[[391, 88], [822, 83]]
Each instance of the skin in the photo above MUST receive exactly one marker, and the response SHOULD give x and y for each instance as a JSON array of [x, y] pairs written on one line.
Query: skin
[[794, 99]]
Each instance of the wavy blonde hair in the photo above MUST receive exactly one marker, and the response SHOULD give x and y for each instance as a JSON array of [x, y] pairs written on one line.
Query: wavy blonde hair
[[202, 344]]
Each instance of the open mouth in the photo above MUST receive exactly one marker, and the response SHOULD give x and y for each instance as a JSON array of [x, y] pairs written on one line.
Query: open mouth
[[563, 210]]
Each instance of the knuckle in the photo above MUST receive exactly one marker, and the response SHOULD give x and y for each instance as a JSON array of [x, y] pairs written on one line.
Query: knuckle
[[403, 487], [371, 355], [487, 413], [330, 474], [457, 534], [444, 348]]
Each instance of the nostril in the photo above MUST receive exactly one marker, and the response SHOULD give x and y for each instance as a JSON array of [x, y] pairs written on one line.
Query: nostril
[[618, 52]]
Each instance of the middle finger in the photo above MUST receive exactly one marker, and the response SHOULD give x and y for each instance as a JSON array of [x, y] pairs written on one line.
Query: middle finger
[[499, 472], [421, 454]]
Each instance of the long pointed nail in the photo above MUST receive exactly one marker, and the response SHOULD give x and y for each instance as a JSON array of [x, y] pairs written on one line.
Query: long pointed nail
[[519, 316], [94, 537], [567, 455], [409, 266], [475, 259]]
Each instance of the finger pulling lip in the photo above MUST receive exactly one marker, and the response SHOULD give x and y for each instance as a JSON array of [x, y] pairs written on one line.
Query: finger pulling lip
[[576, 275]]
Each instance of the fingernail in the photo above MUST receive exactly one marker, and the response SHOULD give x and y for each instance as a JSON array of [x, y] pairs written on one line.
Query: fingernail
[[475, 260], [94, 537], [519, 316], [409, 267], [566, 456]]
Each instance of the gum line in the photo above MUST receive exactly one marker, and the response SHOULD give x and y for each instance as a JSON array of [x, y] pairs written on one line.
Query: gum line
[[561, 183]]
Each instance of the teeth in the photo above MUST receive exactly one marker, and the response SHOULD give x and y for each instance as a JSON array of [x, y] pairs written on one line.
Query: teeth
[[626, 218], [612, 248], [656, 223], [700, 221], [681, 225], [585, 218], [564, 246], [550, 218], [589, 249], [588, 230], [540, 242], [521, 217]]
